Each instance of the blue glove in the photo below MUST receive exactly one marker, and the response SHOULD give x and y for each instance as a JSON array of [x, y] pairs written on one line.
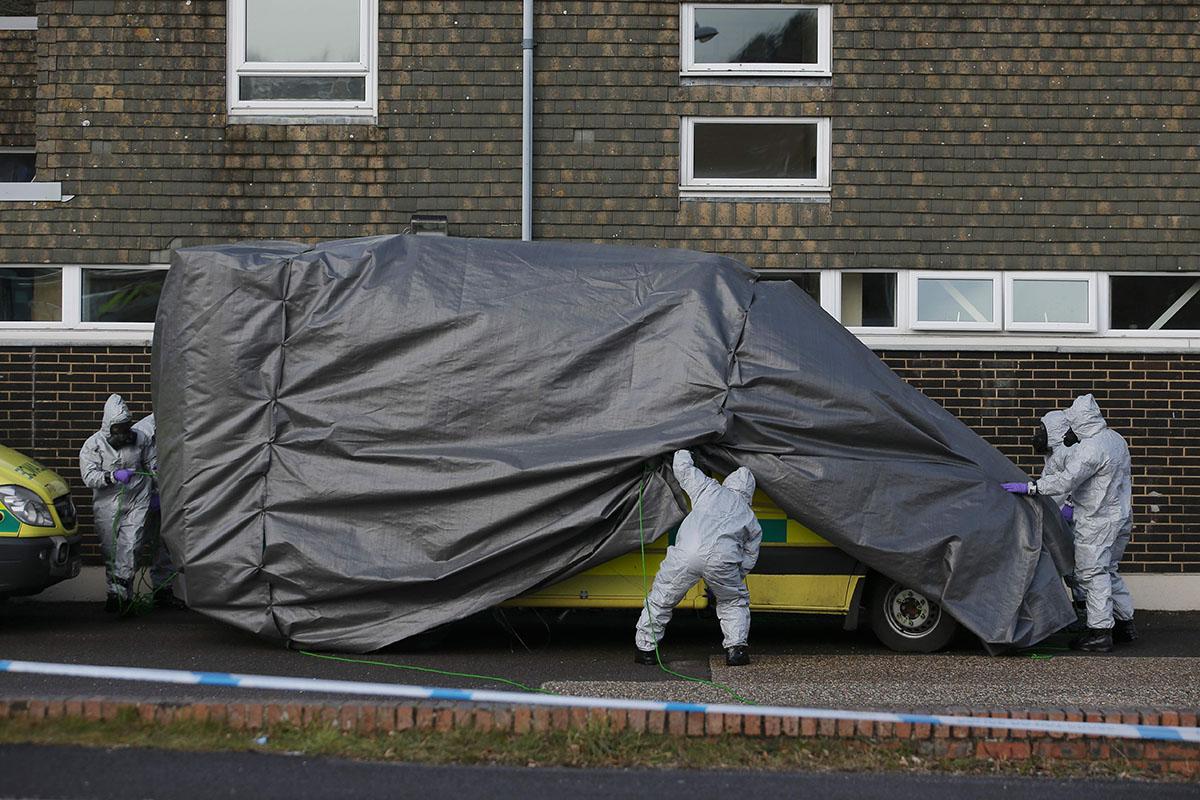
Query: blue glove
[[1068, 513], [123, 475], [155, 503], [1016, 488]]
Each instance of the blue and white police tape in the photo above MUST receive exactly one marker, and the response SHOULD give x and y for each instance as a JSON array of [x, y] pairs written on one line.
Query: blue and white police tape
[[362, 688]]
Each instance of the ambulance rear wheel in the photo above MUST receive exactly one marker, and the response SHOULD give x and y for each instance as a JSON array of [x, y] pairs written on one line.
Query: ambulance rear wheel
[[905, 620]]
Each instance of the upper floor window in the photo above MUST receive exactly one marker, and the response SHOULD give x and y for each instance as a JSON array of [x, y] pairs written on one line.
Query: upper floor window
[[779, 39], [955, 301], [302, 57], [1154, 302], [754, 156]]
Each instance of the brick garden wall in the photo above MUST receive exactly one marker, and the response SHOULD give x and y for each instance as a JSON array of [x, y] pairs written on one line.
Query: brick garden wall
[[1026, 135], [51, 399]]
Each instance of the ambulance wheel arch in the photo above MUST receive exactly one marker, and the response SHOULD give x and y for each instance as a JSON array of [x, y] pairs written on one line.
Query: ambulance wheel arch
[[906, 620]]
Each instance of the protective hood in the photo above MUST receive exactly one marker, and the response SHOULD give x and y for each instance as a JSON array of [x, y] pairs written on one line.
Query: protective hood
[[1056, 426], [1085, 418], [145, 426], [742, 482], [115, 411]]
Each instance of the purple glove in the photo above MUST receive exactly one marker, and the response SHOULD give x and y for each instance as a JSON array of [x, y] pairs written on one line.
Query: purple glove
[[1016, 488], [155, 503], [123, 475], [1068, 513]]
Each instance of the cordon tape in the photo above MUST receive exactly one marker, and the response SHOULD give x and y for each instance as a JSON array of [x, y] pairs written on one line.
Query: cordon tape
[[281, 683]]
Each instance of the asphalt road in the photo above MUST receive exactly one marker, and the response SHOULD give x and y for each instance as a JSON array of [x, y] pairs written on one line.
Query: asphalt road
[[28, 771], [798, 660]]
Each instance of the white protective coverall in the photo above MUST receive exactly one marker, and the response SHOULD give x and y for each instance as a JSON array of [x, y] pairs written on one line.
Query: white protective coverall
[[119, 510], [718, 541], [1096, 473], [161, 570], [1056, 425]]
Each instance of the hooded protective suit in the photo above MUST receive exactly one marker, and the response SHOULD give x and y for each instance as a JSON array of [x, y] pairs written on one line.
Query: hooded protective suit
[[1056, 425], [718, 541], [119, 509], [1096, 473], [161, 569]]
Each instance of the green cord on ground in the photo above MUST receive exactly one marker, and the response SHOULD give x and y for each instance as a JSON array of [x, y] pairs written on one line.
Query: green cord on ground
[[646, 604], [424, 669]]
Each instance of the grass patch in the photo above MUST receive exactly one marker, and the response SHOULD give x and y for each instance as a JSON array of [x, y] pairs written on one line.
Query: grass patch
[[594, 746]]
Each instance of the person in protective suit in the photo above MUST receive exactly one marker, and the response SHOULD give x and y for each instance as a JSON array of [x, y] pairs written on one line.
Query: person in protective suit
[[1097, 475], [113, 462], [1048, 441], [719, 542], [162, 572]]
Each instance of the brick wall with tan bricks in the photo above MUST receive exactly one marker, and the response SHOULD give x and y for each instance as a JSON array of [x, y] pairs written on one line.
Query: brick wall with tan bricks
[[1027, 135], [51, 399]]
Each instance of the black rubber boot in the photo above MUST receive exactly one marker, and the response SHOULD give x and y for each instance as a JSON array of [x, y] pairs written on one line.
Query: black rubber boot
[[1080, 623], [646, 657], [112, 604], [1094, 640], [165, 598], [737, 656], [1124, 632]]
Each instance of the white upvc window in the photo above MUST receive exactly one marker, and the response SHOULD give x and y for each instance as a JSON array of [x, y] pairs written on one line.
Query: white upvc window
[[869, 301], [303, 58], [76, 298], [768, 39], [754, 157], [1055, 302], [1152, 304], [961, 301]]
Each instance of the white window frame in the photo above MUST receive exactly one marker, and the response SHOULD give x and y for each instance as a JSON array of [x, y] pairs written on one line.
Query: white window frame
[[1091, 326], [1105, 304], [366, 67], [917, 324], [835, 301], [691, 186], [72, 321], [687, 40]]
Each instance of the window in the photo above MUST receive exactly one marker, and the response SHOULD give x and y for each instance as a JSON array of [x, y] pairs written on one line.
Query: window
[[955, 301], [868, 300], [809, 281], [760, 39], [31, 294], [17, 164], [302, 57], [1050, 302], [76, 297], [753, 157], [1154, 303]]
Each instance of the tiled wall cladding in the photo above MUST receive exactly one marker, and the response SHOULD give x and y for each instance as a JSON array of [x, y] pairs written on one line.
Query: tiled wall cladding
[[51, 400], [1024, 135], [18, 87]]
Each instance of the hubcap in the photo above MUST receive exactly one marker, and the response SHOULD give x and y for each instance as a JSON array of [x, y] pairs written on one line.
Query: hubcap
[[910, 613]]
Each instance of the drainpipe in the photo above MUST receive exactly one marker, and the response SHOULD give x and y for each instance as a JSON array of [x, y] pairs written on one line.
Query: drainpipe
[[527, 123]]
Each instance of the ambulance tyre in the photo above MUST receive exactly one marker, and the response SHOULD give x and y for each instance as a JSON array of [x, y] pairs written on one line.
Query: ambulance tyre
[[905, 620]]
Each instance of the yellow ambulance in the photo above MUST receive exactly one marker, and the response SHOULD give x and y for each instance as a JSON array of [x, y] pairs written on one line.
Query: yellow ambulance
[[39, 535]]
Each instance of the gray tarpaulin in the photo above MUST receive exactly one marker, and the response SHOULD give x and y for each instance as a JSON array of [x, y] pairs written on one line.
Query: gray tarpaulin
[[362, 440]]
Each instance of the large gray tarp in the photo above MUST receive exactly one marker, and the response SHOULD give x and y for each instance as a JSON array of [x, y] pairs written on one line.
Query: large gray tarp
[[362, 440]]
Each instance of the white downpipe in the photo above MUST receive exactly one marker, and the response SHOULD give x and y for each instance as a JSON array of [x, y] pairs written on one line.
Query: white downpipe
[[527, 123]]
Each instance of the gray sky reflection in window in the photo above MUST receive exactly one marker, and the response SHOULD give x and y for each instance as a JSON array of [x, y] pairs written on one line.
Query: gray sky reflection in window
[[762, 151], [1049, 301], [302, 30], [954, 300], [758, 36]]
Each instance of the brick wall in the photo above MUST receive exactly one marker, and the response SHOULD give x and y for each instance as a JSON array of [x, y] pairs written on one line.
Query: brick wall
[[51, 399], [1028, 135]]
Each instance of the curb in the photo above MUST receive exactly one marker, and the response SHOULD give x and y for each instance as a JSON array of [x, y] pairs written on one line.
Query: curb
[[1180, 759]]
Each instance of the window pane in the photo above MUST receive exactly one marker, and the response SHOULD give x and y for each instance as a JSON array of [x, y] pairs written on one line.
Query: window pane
[[810, 282], [869, 299], [755, 151], [954, 300], [30, 295], [756, 35], [121, 295], [17, 167], [1150, 302], [302, 30], [1049, 301], [302, 87]]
